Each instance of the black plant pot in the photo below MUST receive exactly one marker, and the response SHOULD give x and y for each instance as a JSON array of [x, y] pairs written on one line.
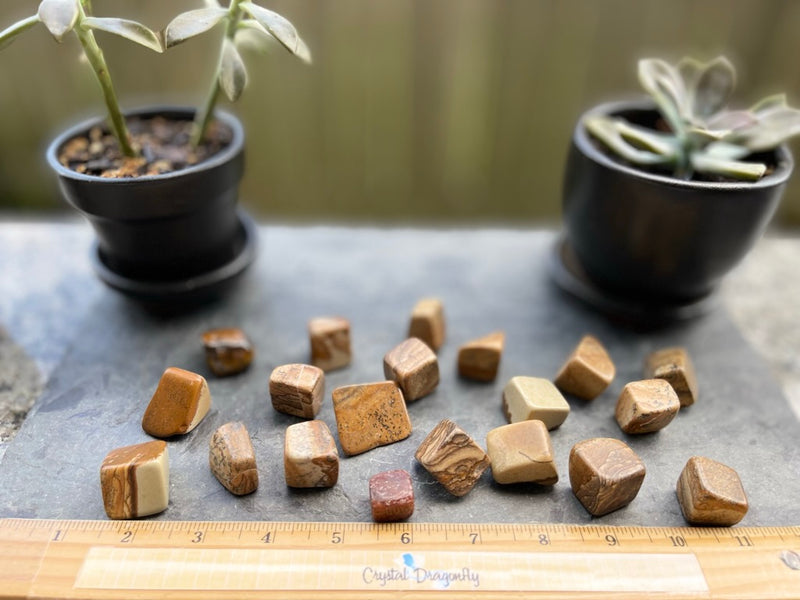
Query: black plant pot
[[170, 237], [651, 242]]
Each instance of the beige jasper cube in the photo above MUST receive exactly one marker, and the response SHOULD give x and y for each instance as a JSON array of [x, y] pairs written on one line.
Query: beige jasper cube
[[135, 480], [675, 366], [330, 342], [415, 368], [711, 493], [427, 322], [646, 406], [310, 458], [232, 459], [297, 389], [179, 403], [370, 415], [588, 371], [526, 398], [522, 452], [480, 359]]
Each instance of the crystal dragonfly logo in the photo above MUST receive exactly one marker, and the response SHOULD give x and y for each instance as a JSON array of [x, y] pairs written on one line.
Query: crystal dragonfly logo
[[408, 569]]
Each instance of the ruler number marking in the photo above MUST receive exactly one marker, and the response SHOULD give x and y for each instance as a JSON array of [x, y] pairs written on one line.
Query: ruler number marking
[[127, 537], [474, 537], [611, 540], [198, 537], [544, 539], [678, 541], [337, 537], [267, 538], [406, 538]]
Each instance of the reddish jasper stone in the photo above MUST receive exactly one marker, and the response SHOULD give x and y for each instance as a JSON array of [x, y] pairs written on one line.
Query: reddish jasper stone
[[391, 495]]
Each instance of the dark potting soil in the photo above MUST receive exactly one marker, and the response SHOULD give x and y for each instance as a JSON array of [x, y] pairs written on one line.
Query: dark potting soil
[[163, 146]]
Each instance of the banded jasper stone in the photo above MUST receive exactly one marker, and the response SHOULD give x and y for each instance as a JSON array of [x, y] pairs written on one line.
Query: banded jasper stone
[[480, 358], [391, 496], [297, 390], [228, 351], [370, 415], [646, 406], [711, 493], [522, 452], [232, 459], [427, 322], [588, 370], [452, 457], [527, 398], [179, 403], [135, 480], [415, 368], [675, 366], [310, 458], [330, 342]]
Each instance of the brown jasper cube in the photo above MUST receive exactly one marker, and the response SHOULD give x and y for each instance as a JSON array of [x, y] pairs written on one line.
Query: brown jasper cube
[[179, 403], [588, 371], [228, 351], [452, 457], [135, 480], [522, 452], [330, 342], [415, 368], [297, 390], [480, 359], [310, 458], [370, 415], [391, 496], [675, 366], [605, 474], [427, 322], [527, 398], [232, 459], [646, 406], [711, 493]]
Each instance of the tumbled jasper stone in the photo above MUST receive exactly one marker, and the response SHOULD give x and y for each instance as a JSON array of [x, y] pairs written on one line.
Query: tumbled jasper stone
[[297, 389], [675, 366], [415, 368], [427, 322], [370, 415], [527, 398], [232, 459], [646, 406], [452, 457], [135, 480], [480, 358], [605, 474], [522, 452], [711, 493], [228, 351], [330, 342], [588, 370], [310, 458], [391, 496], [179, 403]]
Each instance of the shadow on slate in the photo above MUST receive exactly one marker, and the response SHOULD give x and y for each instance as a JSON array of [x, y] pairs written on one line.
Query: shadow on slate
[[488, 280]]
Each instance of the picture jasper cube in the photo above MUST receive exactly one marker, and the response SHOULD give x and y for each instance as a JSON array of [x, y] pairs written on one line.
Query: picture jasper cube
[[297, 390], [415, 368], [370, 415], [179, 403], [452, 457], [646, 406], [588, 370], [232, 459], [228, 351], [605, 474], [330, 342], [526, 398], [675, 366], [522, 452], [480, 359], [135, 480], [427, 322], [310, 458], [391, 496], [711, 493]]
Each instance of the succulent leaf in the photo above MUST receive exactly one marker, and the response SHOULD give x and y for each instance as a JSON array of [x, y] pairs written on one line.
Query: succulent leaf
[[732, 120], [131, 30], [773, 128], [664, 84], [713, 87], [768, 103], [726, 150], [746, 171], [59, 16], [280, 28], [689, 70], [10, 33], [636, 144], [191, 23], [233, 75]]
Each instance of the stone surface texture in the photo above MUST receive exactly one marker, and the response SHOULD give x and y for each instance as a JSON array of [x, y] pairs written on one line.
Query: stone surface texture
[[179, 403], [310, 457], [605, 474], [414, 366], [522, 452], [232, 459], [135, 480], [711, 493], [391, 496], [427, 322], [588, 370], [480, 359], [527, 398], [297, 389], [674, 366], [228, 351], [646, 406], [330, 342]]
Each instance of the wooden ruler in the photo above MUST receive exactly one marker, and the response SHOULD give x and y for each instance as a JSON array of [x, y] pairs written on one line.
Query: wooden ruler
[[176, 559]]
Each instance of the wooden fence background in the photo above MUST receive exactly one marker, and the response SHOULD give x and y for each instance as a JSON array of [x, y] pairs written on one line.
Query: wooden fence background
[[413, 110]]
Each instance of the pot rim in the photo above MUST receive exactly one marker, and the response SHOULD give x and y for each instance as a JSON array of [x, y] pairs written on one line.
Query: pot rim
[[783, 167], [221, 157]]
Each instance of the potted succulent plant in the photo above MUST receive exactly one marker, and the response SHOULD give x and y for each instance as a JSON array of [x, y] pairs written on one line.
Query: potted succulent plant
[[662, 197], [160, 185]]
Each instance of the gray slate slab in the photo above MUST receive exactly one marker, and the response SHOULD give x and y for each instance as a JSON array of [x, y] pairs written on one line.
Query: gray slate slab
[[488, 280]]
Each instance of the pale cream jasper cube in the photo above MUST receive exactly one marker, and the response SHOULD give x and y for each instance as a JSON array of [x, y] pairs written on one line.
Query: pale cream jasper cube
[[675, 366], [310, 457], [179, 403], [427, 322], [135, 480], [522, 452], [330, 342], [588, 370], [711, 493], [646, 406], [526, 398]]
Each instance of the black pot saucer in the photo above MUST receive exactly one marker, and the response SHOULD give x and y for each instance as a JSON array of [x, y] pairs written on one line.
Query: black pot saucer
[[568, 274], [190, 290]]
